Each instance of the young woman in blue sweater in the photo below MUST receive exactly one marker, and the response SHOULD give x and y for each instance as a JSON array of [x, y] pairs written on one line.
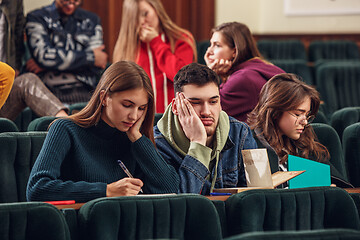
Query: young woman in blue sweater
[[79, 158]]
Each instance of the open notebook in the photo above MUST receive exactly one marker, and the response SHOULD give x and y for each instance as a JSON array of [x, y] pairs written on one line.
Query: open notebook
[[258, 172]]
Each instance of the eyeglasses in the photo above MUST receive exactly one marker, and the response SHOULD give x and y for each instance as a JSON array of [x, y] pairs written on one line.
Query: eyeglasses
[[301, 118], [68, 2]]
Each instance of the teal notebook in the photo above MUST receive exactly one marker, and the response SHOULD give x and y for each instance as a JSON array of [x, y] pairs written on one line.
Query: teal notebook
[[316, 174]]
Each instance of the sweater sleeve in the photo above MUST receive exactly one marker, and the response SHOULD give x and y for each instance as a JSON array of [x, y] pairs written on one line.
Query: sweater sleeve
[[171, 62], [160, 177], [44, 183], [7, 75]]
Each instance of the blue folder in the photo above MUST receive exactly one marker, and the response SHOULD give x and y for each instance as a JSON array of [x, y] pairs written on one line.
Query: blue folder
[[316, 174]]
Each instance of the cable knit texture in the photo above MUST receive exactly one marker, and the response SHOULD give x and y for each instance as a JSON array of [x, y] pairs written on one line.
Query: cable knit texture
[[77, 163]]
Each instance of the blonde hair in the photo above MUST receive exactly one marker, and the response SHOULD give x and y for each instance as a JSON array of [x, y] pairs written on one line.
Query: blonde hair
[[128, 42]]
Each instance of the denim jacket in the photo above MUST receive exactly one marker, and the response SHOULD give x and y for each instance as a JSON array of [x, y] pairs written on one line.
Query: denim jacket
[[65, 47], [195, 177]]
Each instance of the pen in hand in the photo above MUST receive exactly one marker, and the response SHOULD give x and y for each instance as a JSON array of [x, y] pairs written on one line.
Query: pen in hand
[[124, 168]]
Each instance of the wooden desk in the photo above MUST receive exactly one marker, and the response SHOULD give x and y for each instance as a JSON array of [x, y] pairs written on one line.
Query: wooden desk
[[219, 198], [352, 190], [78, 205]]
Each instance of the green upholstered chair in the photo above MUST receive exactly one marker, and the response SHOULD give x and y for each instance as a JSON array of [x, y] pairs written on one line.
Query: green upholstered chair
[[282, 49], [291, 209], [182, 216], [76, 107], [41, 124], [351, 148], [320, 118], [298, 67], [220, 208], [343, 118], [23, 120], [201, 50], [338, 84], [18, 152], [328, 234], [6, 125], [157, 118], [333, 50], [330, 139], [71, 216], [40, 221], [356, 198]]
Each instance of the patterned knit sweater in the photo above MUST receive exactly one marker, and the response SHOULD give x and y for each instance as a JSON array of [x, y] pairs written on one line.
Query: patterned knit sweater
[[77, 163]]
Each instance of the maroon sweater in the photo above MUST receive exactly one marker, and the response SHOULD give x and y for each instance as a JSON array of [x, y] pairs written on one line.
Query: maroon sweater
[[240, 93]]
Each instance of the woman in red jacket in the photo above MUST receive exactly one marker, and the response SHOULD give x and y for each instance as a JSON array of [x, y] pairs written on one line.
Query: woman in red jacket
[[148, 37]]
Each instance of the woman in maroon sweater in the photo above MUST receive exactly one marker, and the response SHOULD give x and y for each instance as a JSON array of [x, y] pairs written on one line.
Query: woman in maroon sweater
[[233, 55]]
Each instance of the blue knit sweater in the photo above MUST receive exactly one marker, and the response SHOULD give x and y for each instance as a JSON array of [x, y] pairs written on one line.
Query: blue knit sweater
[[77, 163]]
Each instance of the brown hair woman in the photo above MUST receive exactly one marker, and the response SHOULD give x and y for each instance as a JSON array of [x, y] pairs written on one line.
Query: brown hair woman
[[79, 158], [234, 56], [281, 123]]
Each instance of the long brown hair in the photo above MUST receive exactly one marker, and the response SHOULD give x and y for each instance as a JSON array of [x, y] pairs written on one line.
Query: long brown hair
[[120, 76], [285, 92], [237, 35], [128, 42]]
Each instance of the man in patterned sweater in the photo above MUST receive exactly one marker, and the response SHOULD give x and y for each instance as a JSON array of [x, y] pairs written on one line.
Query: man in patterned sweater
[[66, 44]]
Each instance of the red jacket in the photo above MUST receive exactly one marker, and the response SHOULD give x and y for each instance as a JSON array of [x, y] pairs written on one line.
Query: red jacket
[[164, 62]]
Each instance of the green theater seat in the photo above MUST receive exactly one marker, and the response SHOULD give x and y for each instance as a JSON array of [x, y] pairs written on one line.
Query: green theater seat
[[338, 84], [351, 146], [40, 221], [41, 124], [291, 209], [324, 234], [330, 139], [201, 50], [23, 120], [18, 152], [298, 67], [343, 118], [76, 107], [182, 216], [6, 125], [272, 49], [333, 50]]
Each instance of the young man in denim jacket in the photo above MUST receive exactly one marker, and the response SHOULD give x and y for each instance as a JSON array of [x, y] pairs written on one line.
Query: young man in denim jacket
[[200, 140], [66, 45]]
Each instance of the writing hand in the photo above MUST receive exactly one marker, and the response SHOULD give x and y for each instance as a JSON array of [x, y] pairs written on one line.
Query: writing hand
[[134, 132], [33, 67], [100, 57], [190, 122], [148, 33], [124, 187]]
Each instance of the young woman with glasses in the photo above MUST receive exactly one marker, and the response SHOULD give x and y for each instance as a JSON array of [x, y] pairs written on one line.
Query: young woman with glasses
[[79, 158], [281, 122]]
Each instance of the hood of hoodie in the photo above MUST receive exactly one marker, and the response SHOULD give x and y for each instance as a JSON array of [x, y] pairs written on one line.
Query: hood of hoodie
[[264, 68], [171, 129]]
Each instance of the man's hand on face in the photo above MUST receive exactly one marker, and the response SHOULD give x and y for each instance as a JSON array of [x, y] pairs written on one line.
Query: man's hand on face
[[190, 122]]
